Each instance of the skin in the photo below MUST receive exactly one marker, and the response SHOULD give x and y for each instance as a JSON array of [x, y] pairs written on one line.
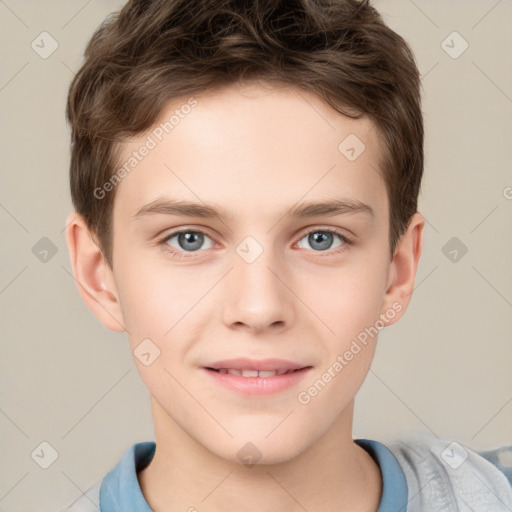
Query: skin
[[256, 151]]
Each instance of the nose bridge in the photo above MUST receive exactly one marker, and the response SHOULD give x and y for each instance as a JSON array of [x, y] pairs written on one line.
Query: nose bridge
[[257, 296], [252, 267]]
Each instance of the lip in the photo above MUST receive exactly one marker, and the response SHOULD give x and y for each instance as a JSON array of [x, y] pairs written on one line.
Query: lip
[[257, 386]]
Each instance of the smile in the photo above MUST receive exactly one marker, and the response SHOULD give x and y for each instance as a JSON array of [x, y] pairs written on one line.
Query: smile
[[252, 373]]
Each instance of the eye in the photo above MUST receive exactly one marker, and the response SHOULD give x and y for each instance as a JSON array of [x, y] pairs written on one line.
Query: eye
[[322, 239], [184, 241]]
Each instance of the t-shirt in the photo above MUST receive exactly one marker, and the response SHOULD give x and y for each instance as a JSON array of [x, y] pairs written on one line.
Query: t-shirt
[[420, 473]]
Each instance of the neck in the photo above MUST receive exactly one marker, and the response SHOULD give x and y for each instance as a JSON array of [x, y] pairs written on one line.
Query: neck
[[333, 474]]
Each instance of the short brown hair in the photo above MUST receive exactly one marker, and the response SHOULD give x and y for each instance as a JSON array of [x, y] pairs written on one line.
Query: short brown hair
[[151, 52]]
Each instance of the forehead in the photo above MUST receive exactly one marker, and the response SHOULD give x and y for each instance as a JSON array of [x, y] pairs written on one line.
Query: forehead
[[252, 149]]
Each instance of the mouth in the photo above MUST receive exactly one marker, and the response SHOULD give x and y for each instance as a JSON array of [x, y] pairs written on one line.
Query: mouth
[[256, 377], [250, 367], [254, 373]]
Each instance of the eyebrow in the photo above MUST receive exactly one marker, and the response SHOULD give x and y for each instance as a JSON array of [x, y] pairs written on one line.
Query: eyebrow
[[335, 207]]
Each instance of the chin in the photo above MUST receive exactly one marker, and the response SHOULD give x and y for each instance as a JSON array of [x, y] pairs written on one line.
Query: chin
[[253, 450]]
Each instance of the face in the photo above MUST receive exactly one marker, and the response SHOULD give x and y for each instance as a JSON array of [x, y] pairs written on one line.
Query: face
[[263, 279]]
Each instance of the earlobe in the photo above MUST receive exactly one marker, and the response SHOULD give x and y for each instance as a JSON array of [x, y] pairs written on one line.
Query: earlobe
[[402, 270], [93, 276]]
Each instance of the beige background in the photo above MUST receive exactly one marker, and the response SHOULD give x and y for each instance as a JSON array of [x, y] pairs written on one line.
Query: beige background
[[445, 368]]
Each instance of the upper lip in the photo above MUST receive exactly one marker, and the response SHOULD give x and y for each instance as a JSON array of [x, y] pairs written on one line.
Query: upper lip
[[244, 363]]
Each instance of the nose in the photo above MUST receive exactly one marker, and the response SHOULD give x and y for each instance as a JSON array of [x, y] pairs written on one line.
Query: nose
[[257, 295]]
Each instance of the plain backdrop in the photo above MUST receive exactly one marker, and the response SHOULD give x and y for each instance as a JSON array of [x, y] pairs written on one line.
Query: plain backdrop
[[445, 367]]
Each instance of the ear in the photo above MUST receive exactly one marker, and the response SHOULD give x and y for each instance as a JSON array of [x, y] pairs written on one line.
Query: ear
[[402, 271], [94, 278]]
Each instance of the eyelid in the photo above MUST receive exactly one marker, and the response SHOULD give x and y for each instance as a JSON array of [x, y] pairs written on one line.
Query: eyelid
[[331, 229]]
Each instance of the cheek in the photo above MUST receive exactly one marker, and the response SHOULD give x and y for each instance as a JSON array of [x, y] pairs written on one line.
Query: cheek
[[345, 300], [350, 308], [158, 300], [155, 302]]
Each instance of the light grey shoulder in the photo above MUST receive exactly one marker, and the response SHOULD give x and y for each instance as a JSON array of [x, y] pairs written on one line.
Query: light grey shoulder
[[444, 475], [88, 502]]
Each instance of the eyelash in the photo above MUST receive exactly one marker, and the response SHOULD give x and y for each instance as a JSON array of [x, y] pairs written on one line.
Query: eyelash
[[183, 254]]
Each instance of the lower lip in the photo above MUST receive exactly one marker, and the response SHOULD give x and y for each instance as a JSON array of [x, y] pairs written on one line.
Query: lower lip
[[258, 386]]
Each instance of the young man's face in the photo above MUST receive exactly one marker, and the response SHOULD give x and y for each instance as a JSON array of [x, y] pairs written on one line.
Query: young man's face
[[259, 282]]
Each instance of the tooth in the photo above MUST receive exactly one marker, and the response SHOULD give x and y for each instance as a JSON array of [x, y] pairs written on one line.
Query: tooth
[[267, 373], [254, 373], [249, 373]]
